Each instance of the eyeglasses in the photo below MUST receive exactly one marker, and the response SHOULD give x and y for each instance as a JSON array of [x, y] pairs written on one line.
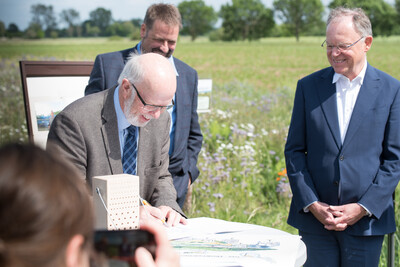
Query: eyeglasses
[[149, 107], [339, 47]]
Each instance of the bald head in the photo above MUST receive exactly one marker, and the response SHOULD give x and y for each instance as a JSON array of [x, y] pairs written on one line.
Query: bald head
[[155, 72], [159, 76], [152, 78]]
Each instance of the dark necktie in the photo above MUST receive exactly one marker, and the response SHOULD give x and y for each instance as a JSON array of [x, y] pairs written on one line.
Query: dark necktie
[[130, 149]]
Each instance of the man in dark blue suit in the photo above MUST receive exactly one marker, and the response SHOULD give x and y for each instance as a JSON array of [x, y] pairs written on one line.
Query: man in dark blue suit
[[159, 34], [343, 150]]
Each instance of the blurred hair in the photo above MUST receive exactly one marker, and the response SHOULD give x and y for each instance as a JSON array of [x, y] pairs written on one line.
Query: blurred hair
[[43, 204], [361, 22], [166, 13]]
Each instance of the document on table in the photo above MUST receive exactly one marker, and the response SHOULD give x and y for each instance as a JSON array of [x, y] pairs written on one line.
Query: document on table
[[212, 242]]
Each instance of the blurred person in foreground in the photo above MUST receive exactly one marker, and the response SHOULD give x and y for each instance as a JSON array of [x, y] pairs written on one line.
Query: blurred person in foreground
[[47, 216], [159, 34], [343, 150], [45, 210], [126, 130]]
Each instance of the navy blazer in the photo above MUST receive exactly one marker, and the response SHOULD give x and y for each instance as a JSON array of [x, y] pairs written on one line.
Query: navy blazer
[[365, 168], [188, 137]]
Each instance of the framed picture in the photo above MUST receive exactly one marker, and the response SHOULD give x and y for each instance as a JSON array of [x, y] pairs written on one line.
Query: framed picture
[[48, 87]]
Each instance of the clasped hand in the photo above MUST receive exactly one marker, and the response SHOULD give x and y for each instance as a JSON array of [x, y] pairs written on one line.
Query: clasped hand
[[337, 218]]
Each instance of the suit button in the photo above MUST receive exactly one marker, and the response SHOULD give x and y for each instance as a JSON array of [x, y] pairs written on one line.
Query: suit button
[[336, 182], [341, 157]]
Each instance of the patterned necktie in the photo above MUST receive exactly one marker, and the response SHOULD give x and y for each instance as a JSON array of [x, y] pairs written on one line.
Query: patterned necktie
[[130, 149]]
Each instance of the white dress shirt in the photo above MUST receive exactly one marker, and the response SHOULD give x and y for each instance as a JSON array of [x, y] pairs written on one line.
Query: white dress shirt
[[346, 96]]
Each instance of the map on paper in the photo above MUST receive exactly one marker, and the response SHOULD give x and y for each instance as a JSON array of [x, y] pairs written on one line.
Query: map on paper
[[211, 242], [229, 244]]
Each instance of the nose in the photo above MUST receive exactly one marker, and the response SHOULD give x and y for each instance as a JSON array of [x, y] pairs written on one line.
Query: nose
[[164, 46], [335, 51], [156, 113]]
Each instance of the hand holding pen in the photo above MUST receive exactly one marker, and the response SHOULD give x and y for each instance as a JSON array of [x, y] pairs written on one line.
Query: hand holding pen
[[164, 214]]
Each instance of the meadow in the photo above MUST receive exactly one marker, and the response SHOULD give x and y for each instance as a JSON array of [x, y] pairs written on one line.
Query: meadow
[[242, 164]]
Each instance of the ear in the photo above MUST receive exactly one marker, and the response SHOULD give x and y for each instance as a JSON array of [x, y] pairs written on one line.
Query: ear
[[74, 253], [368, 43], [125, 88], [125, 92], [143, 31]]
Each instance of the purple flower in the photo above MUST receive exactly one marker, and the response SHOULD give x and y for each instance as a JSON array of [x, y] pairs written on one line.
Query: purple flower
[[218, 195]]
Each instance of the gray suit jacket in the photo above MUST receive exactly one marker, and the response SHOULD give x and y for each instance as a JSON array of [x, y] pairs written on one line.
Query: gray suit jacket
[[87, 132], [188, 137]]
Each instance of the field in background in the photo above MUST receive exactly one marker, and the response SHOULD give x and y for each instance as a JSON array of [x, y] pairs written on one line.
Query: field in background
[[242, 164]]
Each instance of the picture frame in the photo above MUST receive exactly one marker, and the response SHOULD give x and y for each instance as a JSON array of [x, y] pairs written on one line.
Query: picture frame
[[48, 87]]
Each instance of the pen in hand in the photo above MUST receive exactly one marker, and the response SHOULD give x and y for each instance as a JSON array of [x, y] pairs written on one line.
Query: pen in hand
[[145, 203]]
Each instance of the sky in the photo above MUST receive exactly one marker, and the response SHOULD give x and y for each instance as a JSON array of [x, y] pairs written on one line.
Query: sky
[[18, 11]]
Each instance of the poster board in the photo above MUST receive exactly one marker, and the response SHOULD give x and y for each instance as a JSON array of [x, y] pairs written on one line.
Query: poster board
[[48, 87], [204, 89]]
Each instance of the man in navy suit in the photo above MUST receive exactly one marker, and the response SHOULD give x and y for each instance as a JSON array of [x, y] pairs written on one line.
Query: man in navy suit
[[343, 150], [159, 34]]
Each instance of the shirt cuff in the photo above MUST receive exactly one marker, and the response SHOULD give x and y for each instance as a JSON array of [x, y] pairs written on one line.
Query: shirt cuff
[[367, 212], [305, 209]]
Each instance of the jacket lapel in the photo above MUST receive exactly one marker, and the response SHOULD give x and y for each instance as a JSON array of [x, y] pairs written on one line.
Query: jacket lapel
[[109, 130], [327, 95], [369, 91]]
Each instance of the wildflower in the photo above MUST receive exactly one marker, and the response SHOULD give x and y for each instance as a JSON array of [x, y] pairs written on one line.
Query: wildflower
[[218, 195], [211, 205], [282, 173]]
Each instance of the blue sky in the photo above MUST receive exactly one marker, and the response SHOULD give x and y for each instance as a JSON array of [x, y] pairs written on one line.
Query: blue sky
[[18, 11]]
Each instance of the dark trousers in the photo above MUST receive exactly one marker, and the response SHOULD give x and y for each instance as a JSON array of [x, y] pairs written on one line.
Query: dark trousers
[[339, 249]]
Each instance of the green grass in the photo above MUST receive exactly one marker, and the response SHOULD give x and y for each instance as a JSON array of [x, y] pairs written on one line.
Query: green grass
[[244, 135]]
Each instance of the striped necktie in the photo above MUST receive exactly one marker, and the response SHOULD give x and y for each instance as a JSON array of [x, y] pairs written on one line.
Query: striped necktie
[[130, 151]]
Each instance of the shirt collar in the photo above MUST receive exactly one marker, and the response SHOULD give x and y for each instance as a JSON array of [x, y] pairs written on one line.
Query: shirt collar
[[170, 59], [359, 78]]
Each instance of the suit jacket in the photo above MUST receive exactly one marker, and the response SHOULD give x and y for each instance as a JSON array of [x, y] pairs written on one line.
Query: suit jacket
[[87, 132], [366, 165], [188, 138]]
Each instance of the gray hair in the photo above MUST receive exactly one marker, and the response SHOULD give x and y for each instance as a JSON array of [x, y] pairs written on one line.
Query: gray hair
[[133, 70], [361, 22]]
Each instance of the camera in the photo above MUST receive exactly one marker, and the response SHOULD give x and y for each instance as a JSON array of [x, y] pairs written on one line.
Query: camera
[[117, 248]]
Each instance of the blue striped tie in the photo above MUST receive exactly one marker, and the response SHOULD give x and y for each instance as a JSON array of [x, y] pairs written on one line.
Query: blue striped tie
[[130, 149]]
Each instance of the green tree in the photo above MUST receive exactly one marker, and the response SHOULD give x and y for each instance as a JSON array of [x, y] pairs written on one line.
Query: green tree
[[397, 6], [44, 16], [382, 15], [71, 18], [197, 18], [246, 19], [89, 30], [2, 29], [13, 31], [137, 22], [34, 31], [121, 28], [300, 16], [101, 18]]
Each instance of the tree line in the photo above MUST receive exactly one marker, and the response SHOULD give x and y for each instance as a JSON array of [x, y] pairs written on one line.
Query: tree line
[[241, 20]]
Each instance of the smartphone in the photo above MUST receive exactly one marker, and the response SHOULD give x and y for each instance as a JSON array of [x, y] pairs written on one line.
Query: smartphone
[[117, 248]]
